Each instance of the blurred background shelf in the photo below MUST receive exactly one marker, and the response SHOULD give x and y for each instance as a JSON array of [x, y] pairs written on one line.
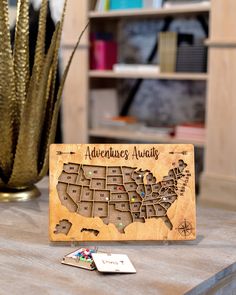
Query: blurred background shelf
[[218, 21], [140, 136], [145, 75], [181, 9]]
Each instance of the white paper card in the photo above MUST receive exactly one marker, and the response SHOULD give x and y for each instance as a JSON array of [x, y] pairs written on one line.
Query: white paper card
[[114, 263]]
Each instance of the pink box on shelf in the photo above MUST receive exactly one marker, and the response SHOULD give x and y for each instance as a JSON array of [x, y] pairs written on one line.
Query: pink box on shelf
[[103, 55]]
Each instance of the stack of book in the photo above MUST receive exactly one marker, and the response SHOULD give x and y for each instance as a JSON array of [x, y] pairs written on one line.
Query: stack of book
[[103, 105], [178, 53], [190, 131], [165, 132]]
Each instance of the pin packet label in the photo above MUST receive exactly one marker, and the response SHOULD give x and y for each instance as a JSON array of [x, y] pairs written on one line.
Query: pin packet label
[[113, 263]]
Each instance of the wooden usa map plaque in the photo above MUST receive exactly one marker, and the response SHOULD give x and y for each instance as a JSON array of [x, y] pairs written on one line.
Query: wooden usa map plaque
[[108, 192]]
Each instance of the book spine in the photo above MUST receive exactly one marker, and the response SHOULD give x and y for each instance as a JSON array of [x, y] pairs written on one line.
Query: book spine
[[111, 54], [125, 4], [93, 5], [105, 55], [157, 3], [107, 5], [161, 49], [173, 52]]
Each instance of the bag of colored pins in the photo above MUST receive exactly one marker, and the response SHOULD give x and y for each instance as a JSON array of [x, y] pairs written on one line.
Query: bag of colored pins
[[81, 258]]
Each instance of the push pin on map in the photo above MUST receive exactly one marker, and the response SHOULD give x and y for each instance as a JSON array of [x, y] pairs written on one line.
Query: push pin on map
[[120, 224], [143, 194]]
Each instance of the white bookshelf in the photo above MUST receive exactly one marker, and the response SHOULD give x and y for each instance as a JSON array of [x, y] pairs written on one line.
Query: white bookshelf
[[146, 75]]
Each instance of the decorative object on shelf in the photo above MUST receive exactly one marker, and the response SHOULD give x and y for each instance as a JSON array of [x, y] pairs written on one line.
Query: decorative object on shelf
[[179, 52], [111, 192], [104, 106], [28, 109], [103, 52], [192, 131]]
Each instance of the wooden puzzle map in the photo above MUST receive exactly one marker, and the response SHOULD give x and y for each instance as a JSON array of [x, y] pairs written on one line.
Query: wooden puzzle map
[[120, 195]]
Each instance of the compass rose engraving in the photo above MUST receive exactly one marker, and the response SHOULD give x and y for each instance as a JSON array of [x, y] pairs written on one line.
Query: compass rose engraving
[[185, 228]]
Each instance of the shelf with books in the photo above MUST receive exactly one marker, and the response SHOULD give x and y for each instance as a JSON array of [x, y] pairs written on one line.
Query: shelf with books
[[103, 77], [148, 12], [221, 35], [145, 75], [141, 136]]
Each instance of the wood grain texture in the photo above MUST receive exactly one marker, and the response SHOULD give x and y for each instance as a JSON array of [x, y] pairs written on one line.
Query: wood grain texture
[[75, 21], [75, 98], [219, 191], [75, 103], [221, 113], [63, 207], [219, 175], [30, 265], [223, 19]]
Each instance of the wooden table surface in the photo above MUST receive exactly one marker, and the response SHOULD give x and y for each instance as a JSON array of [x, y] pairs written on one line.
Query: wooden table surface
[[29, 264]]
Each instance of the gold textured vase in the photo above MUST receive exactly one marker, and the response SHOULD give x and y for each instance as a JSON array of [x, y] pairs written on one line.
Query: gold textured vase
[[29, 103]]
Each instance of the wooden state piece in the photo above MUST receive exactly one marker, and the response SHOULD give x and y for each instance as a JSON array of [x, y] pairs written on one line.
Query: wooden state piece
[[106, 192]]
